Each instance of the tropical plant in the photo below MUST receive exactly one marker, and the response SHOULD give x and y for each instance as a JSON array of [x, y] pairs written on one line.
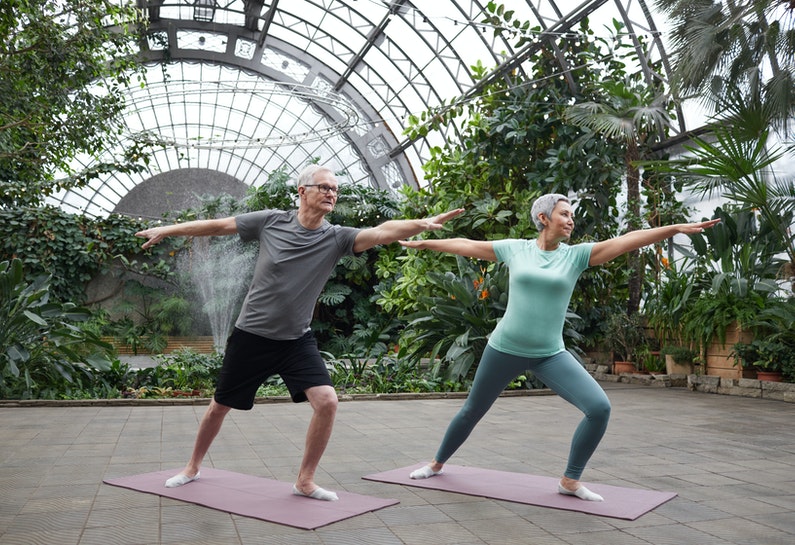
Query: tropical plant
[[729, 281], [777, 320], [650, 360], [728, 302], [739, 167], [776, 325], [186, 369], [41, 343], [637, 116], [453, 332], [147, 316], [668, 299], [734, 261], [719, 47]]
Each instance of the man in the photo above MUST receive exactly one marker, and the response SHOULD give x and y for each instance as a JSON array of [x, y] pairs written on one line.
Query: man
[[298, 250]]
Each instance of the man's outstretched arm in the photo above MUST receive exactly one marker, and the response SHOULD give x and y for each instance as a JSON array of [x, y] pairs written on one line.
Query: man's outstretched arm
[[198, 228], [394, 230]]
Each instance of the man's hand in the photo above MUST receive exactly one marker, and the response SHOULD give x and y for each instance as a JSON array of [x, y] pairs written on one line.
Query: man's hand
[[437, 222], [153, 235]]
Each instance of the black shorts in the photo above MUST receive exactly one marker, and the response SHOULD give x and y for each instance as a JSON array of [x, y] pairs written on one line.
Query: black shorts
[[250, 359]]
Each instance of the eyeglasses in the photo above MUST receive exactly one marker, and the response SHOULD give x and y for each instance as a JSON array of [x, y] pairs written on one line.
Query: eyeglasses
[[325, 189]]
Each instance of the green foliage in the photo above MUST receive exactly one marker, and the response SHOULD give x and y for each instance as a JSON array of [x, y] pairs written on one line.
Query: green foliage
[[680, 354], [667, 301], [147, 316], [182, 372], [775, 325], [453, 332], [743, 47], [732, 280], [710, 315], [625, 336], [186, 370], [650, 360], [739, 164], [765, 354], [71, 248], [42, 347], [275, 193], [65, 69], [514, 146], [777, 321]]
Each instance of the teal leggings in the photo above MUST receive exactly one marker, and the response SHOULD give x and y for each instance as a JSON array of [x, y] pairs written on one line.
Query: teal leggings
[[562, 373]]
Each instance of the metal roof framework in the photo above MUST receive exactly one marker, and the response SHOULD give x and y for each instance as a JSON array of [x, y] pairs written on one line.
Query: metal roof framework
[[246, 87]]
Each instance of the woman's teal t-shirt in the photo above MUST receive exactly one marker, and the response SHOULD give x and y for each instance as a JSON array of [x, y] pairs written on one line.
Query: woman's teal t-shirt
[[540, 288]]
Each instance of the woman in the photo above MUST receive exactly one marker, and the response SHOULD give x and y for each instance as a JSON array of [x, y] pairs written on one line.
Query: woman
[[543, 273]]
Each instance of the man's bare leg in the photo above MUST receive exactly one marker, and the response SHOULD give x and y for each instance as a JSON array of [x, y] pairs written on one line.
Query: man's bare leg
[[323, 400], [209, 427]]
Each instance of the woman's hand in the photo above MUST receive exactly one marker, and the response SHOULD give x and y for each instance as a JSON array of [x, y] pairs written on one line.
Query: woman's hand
[[698, 227]]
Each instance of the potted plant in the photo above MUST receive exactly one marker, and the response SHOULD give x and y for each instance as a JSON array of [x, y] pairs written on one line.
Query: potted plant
[[624, 336], [767, 358], [679, 359], [776, 324], [651, 360]]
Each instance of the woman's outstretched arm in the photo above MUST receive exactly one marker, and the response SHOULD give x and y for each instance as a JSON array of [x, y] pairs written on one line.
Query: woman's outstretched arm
[[606, 250], [479, 249]]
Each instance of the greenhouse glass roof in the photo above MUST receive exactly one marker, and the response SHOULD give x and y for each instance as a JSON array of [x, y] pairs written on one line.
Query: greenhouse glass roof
[[246, 87]]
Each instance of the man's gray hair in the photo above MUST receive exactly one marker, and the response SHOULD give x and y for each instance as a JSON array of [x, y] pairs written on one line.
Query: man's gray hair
[[307, 176], [544, 205]]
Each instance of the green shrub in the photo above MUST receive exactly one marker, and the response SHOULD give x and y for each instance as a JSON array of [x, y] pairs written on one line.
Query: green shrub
[[43, 351]]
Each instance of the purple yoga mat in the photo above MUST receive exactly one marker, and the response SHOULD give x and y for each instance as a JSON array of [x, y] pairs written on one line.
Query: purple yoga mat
[[254, 497], [622, 503]]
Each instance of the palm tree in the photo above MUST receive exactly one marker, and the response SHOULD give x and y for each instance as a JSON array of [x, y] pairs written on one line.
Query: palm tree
[[741, 44], [635, 115], [739, 164]]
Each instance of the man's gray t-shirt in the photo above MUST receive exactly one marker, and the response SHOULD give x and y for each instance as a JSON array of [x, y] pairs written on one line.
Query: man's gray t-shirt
[[293, 266]]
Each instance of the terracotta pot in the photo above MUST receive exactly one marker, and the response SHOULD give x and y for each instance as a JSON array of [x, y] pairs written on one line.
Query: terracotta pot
[[770, 376], [624, 367]]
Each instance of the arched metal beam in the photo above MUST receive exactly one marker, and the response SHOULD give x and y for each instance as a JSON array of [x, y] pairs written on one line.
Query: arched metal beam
[[377, 130]]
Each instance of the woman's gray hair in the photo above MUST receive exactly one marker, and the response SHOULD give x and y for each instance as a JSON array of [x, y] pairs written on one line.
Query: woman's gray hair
[[307, 176], [544, 205]]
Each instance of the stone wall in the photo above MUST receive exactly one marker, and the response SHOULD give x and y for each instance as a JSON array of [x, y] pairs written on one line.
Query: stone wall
[[746, 387], [710, 384]]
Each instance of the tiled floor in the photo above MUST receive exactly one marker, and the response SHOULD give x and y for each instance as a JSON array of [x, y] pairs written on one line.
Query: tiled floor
[[730, 459]]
